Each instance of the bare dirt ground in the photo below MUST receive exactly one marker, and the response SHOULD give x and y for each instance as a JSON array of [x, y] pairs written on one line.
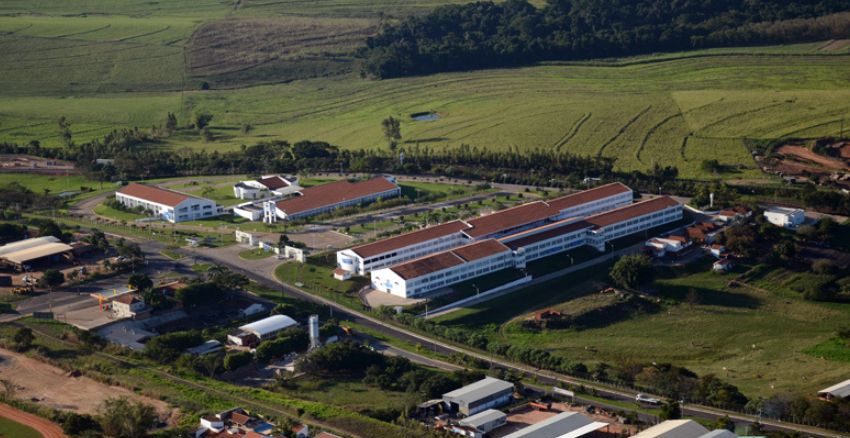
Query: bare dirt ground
[[804, 154], [50, 386], [238, 45], [835, 45], [41, 425]]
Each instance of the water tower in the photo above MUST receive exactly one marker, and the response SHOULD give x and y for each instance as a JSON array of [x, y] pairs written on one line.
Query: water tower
[[315, 341]]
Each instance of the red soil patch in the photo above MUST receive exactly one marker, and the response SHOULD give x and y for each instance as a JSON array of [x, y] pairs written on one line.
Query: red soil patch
[[805, 154], [46, 428], [835, 45]]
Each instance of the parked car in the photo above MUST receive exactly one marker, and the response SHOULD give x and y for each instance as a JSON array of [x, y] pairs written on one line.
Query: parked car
[[643, 398]]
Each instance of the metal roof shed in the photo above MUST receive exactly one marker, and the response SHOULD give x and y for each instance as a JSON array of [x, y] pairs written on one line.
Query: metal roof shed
[[267, 326], [839, 390], [674, 429], [559, 425], [485, 421], [481, 395]]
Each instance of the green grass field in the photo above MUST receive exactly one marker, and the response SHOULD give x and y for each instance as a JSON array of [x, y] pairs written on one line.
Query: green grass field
[[11, 429], [763, 342]]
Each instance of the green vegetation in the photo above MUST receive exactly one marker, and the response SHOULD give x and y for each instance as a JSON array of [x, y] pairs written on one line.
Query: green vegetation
[[119, 215], [732, 329], [316, 276], [12, 429]]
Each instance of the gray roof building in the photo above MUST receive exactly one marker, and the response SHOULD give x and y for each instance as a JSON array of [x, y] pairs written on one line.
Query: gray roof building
[[479, 396]]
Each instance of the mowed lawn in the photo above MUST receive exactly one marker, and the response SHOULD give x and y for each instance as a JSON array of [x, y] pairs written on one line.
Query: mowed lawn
[[760, 339], [12, 429]]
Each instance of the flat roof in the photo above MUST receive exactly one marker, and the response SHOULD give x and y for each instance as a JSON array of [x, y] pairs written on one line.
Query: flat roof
[[448, 259], [479, 390], [841, 389], [783, 210], [638, 209], [334, 193], [482, 418], [154, 194], [544, 232], [554, 426], [674, 429], [585, 196], [32, 249], [408, 239], [269, 325], [510, 218]]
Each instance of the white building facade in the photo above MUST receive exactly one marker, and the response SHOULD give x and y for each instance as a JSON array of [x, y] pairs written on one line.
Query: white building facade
[[365, 258], [328, 197], [632, 219], [422, 276], [265, 187], [785, 217], [168, 205]]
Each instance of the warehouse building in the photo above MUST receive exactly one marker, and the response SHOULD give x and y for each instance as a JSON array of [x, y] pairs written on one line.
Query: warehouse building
[[476, 397], [785, 217], [838, 391], [365, 258], [427, 274], [338, 194], [674, 429], [167, 204], [251, 334], [563, 425], [265, 187], [478, 425], [28, 252]]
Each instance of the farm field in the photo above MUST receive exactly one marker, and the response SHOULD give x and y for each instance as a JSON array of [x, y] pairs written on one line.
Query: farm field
[[9, 428], [671, 112], [731, 331]]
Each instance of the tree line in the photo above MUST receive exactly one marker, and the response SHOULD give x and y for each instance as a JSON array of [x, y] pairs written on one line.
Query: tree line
[[485, 34]]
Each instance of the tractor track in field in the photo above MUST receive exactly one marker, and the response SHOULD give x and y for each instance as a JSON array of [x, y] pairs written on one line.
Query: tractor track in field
[[142, 35], [572, 132], [741, 114], [652, 130], [622, 130]]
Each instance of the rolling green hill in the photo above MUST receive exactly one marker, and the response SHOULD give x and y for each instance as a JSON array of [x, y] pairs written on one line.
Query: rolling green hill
[[107, 65]]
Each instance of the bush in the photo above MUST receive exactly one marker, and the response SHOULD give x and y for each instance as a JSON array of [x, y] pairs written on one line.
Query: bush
[[237, 360]]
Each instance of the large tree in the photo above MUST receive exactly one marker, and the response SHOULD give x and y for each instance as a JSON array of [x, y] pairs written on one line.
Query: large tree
[[631, 271], [392, 131]]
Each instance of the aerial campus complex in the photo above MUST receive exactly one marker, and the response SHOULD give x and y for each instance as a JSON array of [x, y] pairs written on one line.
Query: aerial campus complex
[[419, 263]]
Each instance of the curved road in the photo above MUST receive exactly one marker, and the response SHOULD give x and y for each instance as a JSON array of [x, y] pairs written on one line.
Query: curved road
[[46, 428]]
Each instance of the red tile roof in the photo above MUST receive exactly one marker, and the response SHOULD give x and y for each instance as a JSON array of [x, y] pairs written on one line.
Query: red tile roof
[[631, 211], [334, 193], [513, 217], [240, 418], [154, 194], [426, 265], [274, 182], [448, 259], [479, 250], [405, 240], [585, 196], [545, 232]]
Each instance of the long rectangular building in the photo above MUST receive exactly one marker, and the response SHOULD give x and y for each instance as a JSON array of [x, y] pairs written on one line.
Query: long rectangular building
[[479, 396], [530, 216], [365, 258], [422, 276], [167, 204], [338, 194], [427, 274]]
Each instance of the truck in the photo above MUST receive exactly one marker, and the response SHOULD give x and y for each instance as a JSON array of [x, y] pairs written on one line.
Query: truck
[[643, 398]]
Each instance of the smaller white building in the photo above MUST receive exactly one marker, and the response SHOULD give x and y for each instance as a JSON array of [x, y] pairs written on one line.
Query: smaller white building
[[785, 217], [478, 425], [256, 331], [265, 187], [479, 396], [167, 204], [128, 306]]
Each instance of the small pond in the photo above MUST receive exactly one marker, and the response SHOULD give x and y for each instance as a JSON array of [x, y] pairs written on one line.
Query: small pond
[[428, 116]]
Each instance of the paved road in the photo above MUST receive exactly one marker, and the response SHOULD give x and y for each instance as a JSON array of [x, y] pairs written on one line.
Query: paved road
[[545, 377]]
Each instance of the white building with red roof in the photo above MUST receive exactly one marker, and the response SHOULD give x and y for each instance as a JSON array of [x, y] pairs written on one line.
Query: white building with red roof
[[266, 186], [167, 204], [338, 194]]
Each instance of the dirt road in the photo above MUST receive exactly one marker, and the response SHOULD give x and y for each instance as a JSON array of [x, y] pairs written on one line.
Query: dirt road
[[41, 425]]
